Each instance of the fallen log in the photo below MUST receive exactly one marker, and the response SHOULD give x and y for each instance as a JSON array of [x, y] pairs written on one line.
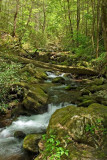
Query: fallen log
[[49, 66]]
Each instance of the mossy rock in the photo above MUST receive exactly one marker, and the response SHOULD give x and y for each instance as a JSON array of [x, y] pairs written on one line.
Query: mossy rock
[[70, 87], [101, 96], [95, 88], [85, 98], [35, 99], [104, 102], [73, 121], [31, 104], [102, 93], [41, 74], [67, 75], [31, 71], [85, 91], [37, 158], [31, 141], [58, 80], [19, 134], [98, 81], [86, 103], [3, 111]]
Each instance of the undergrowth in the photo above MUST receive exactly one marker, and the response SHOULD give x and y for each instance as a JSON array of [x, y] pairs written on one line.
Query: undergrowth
[[8, 76]]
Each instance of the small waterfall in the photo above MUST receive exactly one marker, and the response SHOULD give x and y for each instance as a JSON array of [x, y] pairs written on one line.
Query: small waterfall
[[53, 75], [11, 146], [32, 124]]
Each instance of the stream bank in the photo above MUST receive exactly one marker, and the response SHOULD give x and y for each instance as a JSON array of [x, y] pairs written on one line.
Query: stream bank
[[10, 146], [39, 94]]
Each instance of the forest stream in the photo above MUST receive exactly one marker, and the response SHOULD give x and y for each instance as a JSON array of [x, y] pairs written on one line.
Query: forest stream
[[53, 80], [11, 147]]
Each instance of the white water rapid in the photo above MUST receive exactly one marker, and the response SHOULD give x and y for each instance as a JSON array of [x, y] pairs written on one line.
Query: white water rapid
[[32, 124], [9, 145]]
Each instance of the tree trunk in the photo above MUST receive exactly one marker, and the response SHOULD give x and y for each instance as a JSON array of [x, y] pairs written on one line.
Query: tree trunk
[[0, 5], [27, 24], [44, 14], [93, 24], [87, 7], [98, 26], [69, 16], [78, 19], [104, 22], [15, 18]]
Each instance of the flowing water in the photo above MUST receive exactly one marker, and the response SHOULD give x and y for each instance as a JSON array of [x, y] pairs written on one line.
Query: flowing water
[[9, 145]]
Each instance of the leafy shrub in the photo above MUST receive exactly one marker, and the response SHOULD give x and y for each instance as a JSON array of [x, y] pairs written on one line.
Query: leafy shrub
[[97, 131], [8, 75], [100, 63], [53, 148]]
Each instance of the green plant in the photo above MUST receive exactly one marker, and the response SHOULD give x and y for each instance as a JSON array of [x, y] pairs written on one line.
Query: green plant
[[98, 127], [53, 148], [97, 131], [3, 108], [8, 76]]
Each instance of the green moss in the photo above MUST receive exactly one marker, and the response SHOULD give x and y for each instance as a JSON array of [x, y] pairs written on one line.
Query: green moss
[[86, 103], [58, 80], [35, 98], [40, 74], [30, 142], [70, 87], [85, 91], [72, 121], [98, 81], [95, 88]]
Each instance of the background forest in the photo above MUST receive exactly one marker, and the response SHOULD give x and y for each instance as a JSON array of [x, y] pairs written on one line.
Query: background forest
[[60, 24]]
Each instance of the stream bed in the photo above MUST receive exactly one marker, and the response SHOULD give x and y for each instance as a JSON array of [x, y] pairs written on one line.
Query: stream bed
[[11, 147]]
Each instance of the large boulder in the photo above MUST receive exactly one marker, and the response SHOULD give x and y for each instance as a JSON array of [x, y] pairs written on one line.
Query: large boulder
[[31, 141], [82, 131], [101, 96], [35, 99]]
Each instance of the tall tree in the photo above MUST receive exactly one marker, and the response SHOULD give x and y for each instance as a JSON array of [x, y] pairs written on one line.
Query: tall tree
[[93, 24], [44, 15], [104, 22], [98, 26], [15, 18], [78, 19], [69, 16]]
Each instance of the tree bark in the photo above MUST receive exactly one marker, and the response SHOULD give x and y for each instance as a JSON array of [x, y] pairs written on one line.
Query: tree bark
[[104, 22], [98, 27], [78, 19], [93, 24], [15, 18], [44, 14], [87, 8], [69, 16]]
